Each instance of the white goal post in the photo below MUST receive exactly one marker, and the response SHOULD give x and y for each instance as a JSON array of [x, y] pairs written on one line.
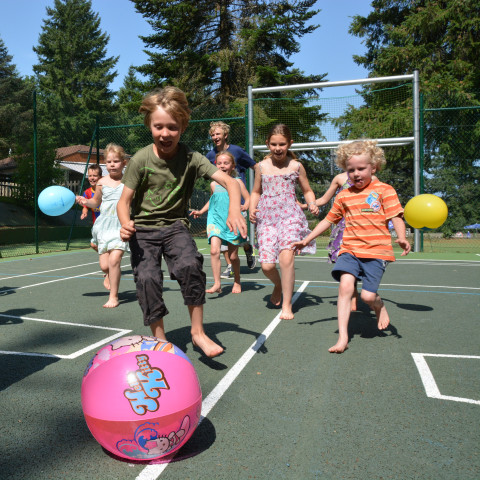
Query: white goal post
[[414, 140]]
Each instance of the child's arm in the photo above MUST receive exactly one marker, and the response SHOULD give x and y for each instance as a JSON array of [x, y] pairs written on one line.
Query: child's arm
[[330, 192], [198, 213], [245, 196], [255, 195], [336, 183], [322, 226], [123, 213], [307, 191], [91, 202], [235, 221], [84, 213], [399, 226]]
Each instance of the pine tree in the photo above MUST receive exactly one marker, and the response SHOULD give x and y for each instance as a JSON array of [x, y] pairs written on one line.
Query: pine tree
[[15, 106], [73, 72], [214, 50], [131, 93], [441, 39]]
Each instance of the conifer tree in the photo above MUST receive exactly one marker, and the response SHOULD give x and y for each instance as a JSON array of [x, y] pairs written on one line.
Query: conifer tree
[[73, 70], [441, 40], [215, 49], [15, 106]]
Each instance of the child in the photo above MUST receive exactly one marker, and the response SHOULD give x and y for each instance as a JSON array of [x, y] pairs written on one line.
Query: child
[[280, 220], [218, 233], [94, 175], [161, 177], [367, 206], [339, 183], [219, 133], [105, 232]]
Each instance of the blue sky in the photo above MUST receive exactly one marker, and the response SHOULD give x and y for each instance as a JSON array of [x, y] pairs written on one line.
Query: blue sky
[[328, 50]]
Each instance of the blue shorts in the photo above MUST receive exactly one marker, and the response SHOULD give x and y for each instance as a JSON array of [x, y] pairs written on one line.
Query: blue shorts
[[369, 270]]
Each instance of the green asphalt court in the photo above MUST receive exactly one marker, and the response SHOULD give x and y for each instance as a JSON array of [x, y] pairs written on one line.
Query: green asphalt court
[[403, 403]]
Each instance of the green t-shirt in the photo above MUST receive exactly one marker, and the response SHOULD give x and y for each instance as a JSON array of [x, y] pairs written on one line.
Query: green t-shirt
[[163, 187]]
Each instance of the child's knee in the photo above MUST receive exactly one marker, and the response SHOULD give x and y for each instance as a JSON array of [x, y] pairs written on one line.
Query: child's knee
[[233, 255], [368, 297], [268, 267]]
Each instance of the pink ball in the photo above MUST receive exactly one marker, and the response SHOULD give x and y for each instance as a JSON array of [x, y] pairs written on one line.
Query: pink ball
[[141, 397]]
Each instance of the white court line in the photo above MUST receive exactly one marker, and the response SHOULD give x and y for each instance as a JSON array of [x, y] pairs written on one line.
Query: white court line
[[428, 380], [333, 282], [47, 271], [151, 472], [56, 280], [73, 355]]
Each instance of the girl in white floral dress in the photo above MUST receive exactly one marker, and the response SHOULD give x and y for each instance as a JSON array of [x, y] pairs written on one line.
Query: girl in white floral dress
[[279, 219]]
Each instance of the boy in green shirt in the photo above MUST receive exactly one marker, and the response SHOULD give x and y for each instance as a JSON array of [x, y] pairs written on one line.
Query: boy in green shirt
[[159, 181]]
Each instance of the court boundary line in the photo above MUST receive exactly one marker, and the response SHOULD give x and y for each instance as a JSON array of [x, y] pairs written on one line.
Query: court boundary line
[[153, 471], [97, 272], [120, 332], [334, 282], [47, 271], [428, 380]]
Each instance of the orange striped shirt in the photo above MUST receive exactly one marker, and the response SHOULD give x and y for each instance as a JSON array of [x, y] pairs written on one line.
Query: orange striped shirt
[[366, 214]]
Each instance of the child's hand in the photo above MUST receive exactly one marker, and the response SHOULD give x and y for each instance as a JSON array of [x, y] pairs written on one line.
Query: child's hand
[[243, 208], [237, 225], [83, 215], [313, 209], [127, 230], [303, 206], [253, 215], [80, 200], [196, 213], [405, 244], [297, 246]]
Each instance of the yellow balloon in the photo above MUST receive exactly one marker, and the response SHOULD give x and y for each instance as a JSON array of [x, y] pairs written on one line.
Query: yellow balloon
[[426, 211]]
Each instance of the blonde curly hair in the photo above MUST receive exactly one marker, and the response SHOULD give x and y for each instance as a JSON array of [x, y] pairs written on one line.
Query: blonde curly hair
[[359, 147]]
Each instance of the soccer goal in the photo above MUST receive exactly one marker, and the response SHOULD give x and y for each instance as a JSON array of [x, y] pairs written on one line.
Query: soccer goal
[[323, 116]]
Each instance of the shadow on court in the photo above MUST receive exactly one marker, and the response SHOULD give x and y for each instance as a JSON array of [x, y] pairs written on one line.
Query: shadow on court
[[123, 297], [181, 337], [17, 367], [7, 290]]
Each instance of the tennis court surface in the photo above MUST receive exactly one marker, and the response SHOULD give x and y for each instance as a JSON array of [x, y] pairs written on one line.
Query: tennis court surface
[[398, 404]]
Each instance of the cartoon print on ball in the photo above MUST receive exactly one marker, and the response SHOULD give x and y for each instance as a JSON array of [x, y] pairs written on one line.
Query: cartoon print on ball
[[149, 443]]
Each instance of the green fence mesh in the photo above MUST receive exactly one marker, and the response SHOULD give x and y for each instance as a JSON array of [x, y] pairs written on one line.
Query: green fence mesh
[[451, 141]]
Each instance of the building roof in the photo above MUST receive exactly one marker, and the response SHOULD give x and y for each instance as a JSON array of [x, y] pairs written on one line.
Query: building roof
[[63, 152], [7, 163]]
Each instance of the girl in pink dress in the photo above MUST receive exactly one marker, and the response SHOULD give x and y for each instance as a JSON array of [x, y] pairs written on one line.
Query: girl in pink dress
[[279, 218]]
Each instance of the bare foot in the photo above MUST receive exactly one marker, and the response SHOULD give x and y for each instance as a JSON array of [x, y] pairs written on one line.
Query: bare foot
[[276, 297], [214, 289], [382, 317], [106, 282], [206, 344], [340, 346], [287, 314], [237, 288], [112, 303]]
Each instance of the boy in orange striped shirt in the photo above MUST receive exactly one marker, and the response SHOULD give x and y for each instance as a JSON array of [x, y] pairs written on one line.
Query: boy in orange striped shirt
[[367, 207]]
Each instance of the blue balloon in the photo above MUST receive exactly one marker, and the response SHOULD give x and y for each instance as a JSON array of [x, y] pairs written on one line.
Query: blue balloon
[[56, 200]]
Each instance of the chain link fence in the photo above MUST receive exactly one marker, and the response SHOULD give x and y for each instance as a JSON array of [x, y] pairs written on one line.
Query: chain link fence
[[450, 127]]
